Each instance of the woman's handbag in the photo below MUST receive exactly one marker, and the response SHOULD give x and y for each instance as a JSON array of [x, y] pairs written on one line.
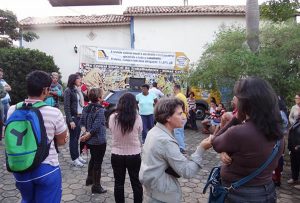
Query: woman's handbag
[[218, 192]]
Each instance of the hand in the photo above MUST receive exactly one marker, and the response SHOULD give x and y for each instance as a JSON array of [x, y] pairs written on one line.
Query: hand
[[83, 130], [225, 158], [72, 125], [206, 143], [85, 137]]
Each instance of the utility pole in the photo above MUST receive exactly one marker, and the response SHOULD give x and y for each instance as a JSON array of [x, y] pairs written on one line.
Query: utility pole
[[185, 2]]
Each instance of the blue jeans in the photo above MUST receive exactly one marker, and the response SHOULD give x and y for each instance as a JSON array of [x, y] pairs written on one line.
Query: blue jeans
[[42, 185], [179, 136], [74, 138], [148, 123]]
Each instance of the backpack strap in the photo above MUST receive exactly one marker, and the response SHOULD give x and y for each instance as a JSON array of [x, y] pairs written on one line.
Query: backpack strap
[[246, 179]]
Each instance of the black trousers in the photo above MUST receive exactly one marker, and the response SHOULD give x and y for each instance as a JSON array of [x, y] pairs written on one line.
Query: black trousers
[[295, 164], [97, 154], [132, 163], [192, 119]]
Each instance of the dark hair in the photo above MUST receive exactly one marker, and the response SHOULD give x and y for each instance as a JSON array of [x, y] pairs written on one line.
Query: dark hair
[[145, 85], [94, 94], [154, 84], [176, 86], [165, 108], [36, 82], [257, 99], [71, 80], [192, 93], [222, 105], [80, 74], [126, 112], [213, 100]]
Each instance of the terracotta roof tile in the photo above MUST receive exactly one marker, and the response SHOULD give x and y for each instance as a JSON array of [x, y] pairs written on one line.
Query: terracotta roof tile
[[184, 10], [81, 20]]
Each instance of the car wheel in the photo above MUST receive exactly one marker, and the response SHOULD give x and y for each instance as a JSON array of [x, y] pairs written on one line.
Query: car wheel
[[200, 112]]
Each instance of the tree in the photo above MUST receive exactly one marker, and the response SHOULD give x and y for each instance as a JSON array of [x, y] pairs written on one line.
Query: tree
[[279, 10], [17, 63], [10, 27], [252, 24], [227, 59]]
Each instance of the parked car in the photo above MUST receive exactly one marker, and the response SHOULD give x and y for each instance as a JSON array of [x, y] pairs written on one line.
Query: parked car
[[112, 99]]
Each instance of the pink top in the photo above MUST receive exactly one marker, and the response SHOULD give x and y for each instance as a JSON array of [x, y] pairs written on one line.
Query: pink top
[[128, 144]]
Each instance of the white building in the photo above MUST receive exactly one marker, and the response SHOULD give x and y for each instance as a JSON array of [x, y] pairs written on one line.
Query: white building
[[168, 28]]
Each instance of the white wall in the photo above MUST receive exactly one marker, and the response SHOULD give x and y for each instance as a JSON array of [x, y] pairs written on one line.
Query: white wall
[[188, 34], [59, 42]]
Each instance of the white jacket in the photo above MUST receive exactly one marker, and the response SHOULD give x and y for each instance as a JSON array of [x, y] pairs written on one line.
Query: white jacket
[[160, 151]]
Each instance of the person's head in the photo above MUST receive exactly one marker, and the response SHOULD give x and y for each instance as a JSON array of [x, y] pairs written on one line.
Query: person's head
[[95, 95], [168, 111], [258, 102], [55, 77], [145, 89], [220, 107], [213, 105], [192, 95], [80, 74], [1, 73], [154, 84], [74, 80], [126, 112], [176, 89], [297, 98], [212, 99], [38, 83]]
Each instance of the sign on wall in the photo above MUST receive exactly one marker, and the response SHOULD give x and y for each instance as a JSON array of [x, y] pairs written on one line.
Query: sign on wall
[[138, 58]]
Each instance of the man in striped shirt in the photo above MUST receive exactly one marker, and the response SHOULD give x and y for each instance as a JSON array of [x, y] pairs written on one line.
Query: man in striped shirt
[[44, 183]]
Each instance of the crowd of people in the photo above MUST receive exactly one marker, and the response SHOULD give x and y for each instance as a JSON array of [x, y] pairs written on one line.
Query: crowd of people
[[148, 140]]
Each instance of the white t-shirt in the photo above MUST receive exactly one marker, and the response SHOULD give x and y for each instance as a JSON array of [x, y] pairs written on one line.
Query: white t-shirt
[[7, 97], [157, 92], [54, 123]]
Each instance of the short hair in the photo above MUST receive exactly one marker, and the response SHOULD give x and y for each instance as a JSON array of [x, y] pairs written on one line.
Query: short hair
[[94, 94], [177, 86], [165, 108], [36, 81], [71, 80], [54, 74], [154, 84], [145, 85]]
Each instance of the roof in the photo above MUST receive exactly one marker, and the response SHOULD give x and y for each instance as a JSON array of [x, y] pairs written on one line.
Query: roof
[[82, 20], [211, 10]]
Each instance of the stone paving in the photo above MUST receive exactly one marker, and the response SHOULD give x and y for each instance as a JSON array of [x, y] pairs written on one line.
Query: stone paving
[[74, 189]]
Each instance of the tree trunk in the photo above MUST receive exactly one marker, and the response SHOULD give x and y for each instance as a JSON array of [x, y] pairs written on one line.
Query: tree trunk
[[252, 24]]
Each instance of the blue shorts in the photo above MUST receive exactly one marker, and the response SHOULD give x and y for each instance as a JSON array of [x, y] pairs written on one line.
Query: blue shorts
[[42, 185]]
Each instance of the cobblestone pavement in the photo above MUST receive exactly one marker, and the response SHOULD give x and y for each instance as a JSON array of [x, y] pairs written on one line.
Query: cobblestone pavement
[[74, 189]]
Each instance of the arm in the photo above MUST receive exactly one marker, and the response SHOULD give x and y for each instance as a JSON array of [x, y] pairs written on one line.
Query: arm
[[140, 124], [60, 129], [82, 122], [291, 116]]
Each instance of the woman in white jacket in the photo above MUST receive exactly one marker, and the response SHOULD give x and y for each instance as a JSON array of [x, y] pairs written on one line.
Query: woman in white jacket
[[162, 161]]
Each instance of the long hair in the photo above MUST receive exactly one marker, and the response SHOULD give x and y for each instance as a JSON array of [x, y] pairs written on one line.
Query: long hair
[[71, 80], [126, 113], [257, 99]]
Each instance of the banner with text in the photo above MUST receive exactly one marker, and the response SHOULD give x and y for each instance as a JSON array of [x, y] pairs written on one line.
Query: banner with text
[[138, 58]]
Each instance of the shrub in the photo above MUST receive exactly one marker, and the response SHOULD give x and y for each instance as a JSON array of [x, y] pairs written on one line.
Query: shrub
[[17, 63]]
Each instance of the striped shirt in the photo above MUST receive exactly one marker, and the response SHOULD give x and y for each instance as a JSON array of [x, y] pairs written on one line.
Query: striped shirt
[[54, 123], [192, 103], [128, 144]]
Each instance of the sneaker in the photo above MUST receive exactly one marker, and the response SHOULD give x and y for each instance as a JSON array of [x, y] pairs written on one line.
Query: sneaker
[[292, 181], [77, 163], [82, 160]]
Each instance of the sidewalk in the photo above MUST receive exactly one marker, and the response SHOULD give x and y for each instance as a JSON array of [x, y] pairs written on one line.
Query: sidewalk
[[74, 189]]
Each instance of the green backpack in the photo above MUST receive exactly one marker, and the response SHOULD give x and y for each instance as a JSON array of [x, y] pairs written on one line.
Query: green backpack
[[26, 141]]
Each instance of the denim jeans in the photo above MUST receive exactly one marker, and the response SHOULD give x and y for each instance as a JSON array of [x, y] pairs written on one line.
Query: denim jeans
[[74, 138], [148, 123], [258, 194], [179, 136], [132, 163]]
